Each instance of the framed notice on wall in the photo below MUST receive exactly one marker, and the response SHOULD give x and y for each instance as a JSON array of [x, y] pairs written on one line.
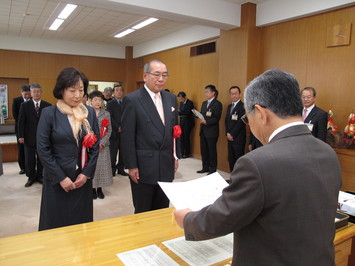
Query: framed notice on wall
[[4, 108]]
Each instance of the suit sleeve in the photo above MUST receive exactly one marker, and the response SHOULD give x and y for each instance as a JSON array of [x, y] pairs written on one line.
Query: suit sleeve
[[105, 140], [240, 203], [128, 133], [15, 111], [21, 122], [322, 126], [44, 148], [114, 118]]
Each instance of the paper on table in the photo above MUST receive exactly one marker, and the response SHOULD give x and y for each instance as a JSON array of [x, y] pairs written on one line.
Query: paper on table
[[198, 114], [194, 194], [205, 252], [149, 255]]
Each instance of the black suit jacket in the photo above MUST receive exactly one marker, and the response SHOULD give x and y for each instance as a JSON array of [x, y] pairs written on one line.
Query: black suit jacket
[[185, 113], [16, 106], [28, 121], [147, 143], [236, 127], [319, 119], [211, 129], [115, 110]]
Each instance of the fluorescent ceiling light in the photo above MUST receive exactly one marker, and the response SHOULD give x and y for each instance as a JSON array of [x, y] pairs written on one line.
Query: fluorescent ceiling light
[[144, 23], [123, 33], [68, 9], [56, 24]]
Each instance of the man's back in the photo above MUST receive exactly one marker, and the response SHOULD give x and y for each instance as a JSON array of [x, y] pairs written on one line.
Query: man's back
[[280, 204]]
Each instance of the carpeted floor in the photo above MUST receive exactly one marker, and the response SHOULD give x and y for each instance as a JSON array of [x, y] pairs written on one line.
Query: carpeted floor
[[19, 206]]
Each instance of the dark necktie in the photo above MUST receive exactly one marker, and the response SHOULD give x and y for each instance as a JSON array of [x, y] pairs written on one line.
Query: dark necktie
[[232, 108], [37, 109]]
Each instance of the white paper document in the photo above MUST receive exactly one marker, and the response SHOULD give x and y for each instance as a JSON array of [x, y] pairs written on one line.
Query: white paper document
[[198, 114], [194, 194], [147, 256], [205, 252]]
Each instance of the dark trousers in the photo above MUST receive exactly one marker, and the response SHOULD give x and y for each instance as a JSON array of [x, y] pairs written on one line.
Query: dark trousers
[[185, 139], [115, 146], [21, 155], [148, 197], [34, 166], [235, 150], [209, 153]]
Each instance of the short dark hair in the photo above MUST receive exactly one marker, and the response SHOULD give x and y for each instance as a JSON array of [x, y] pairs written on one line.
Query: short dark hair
[[69, 77], [234, 87], [25, 87], [96, 94], [181, 94], [117, 85], [275, 90], [213, 89], [310, 89]]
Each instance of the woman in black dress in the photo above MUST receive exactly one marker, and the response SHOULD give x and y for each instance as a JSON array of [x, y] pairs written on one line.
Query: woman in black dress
[[68, 148]]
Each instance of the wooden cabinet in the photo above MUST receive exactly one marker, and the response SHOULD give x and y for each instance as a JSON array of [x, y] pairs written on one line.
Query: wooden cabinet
[[347, 164]]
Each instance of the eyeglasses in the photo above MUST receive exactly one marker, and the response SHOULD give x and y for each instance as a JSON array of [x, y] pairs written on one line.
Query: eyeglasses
[[245, 119], [158, 75], [306, 97]]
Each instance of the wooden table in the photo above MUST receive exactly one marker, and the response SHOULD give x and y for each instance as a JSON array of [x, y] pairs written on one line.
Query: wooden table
[[97, 243]]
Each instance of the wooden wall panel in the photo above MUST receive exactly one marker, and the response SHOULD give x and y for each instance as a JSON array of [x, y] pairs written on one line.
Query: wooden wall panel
[[299, 47], [14, 64]]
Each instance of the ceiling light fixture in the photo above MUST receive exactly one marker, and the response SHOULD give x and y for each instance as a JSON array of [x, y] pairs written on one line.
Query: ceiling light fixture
[[144, 23], [68, 9], [136, 27], [124, 33], [56, 24]]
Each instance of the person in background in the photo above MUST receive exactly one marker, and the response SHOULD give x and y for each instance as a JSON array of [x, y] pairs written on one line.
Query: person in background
[[16, 105], [254, 143], [102, 176], [283, 197], [29, 116], [209, 130], [235, 127], [107, 95], [187, 122], [115, 109], [67, 143], [313, 115], [149, 120]]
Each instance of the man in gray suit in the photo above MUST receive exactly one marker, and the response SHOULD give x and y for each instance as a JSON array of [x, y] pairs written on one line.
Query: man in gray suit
[[282, 199], [148, 120]]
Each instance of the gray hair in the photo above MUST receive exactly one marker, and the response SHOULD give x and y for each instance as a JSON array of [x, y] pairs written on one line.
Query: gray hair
[[147, 65], [275, 90], [36, 85], [108, 90]]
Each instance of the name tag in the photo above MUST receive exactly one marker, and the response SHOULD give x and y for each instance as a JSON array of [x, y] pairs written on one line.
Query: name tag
[[234, 117], [208, 113]]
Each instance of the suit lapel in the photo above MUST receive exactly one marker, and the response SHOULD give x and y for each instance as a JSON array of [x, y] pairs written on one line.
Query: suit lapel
[[148, 105], [167, 106], [311, 115], [65, 125]]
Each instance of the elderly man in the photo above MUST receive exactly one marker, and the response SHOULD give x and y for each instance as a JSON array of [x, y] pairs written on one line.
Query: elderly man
[[30, 113], [282, 199], [149, 152]]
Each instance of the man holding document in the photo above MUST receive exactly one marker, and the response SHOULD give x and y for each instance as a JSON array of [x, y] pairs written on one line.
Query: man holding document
[[282, 199]]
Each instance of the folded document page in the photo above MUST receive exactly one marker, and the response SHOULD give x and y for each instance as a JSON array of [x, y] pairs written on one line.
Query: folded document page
[[194, 194]]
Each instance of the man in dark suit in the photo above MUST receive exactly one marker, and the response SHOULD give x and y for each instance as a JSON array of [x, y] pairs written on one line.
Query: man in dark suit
[[209, 130], [235, 127], [283, 196], [114, 107], [312, 115], [16, 105], [148, 120], [187, 122], [30, 113]]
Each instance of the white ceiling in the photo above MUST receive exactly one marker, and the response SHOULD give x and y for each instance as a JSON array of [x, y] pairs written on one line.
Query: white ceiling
[[24, 23], [90, 22]]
